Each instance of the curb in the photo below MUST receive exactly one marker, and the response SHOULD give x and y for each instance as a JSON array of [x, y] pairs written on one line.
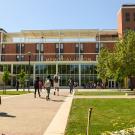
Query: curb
[[58, 124]]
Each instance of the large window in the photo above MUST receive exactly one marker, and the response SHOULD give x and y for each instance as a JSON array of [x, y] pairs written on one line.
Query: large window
[[19, 57], [39, 51], [88, 69], [88, 74], [68, 69], [17, 48], [39, 47], [64, 79], [97, 47], [79, 49], [3, 48], [3, 52], [5, 66], [134, 16], [127, 16], [45, 69], [59, 48], [20, 48], [17, 69]]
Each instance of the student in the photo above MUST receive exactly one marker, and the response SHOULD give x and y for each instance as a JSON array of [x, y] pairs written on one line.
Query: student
[[40, 85], [17, 85], [36, 86], [71, 85], [48, 86], [56, 80]]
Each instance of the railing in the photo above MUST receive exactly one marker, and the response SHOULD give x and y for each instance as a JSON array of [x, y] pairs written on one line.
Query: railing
[[37, 57]]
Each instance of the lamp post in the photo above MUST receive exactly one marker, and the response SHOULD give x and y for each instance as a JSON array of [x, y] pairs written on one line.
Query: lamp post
[[29, 58]]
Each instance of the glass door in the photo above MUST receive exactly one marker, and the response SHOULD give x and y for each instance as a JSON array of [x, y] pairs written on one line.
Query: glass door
[[111, 84]]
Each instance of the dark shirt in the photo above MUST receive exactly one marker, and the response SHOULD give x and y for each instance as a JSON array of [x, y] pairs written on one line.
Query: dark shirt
[[36, 84]]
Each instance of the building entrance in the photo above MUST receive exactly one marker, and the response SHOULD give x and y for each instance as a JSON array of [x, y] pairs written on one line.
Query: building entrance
[[111, 84]]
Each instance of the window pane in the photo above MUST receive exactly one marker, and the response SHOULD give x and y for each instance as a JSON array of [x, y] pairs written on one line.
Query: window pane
[[94, 69], [42, 47], [127, 17], [61, 46], [37, 69], [76, 69], [45, 69], [17, 48]]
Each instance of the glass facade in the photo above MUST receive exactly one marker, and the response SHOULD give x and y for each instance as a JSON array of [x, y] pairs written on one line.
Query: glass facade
[[88, 74], [81, 73], [68, 71], [43, 70]]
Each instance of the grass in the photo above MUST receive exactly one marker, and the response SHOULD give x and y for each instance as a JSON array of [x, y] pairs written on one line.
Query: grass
[[107, 115], [99, 93], [13, 92]]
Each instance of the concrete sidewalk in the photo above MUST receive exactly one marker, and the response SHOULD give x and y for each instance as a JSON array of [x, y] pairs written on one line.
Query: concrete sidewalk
[[26, 115], [58, 124]]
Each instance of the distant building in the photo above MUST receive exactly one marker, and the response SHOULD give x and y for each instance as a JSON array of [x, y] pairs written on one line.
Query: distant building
[[70, 52]]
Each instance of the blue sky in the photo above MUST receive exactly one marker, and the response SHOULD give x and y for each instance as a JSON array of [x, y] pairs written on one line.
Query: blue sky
[[16, 15]]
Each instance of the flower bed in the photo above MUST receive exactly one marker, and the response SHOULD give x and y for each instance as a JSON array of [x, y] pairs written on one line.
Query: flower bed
[[128, 131]]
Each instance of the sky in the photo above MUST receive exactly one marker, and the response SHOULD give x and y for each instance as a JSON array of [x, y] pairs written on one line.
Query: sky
[[17, 15]]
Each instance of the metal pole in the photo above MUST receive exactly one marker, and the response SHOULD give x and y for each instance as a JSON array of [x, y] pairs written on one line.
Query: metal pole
[[29, 73], [0, 100], [88, 124]]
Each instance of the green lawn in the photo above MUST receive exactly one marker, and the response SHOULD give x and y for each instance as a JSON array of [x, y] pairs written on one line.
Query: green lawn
[[107, 115], [99, 93], [13, 92]]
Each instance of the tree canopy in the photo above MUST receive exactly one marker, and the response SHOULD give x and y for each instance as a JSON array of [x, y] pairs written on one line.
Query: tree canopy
[[121, 62]]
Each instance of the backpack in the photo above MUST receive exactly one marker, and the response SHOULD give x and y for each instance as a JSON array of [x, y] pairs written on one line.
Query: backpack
[[51, 82], [47, 83]]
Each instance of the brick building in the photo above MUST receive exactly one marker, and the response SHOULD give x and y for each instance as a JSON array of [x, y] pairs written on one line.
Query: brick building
[[71, 52]]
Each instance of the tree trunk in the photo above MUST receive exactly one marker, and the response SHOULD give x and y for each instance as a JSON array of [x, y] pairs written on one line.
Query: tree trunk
[[131, 83], [4, 88]]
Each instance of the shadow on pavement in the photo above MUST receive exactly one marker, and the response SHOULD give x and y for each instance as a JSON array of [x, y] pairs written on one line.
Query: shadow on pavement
[[3, 114], [43, 97], [57, 100], [64, 95]]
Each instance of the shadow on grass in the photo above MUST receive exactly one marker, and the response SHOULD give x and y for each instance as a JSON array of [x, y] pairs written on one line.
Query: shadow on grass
[[3, 114]]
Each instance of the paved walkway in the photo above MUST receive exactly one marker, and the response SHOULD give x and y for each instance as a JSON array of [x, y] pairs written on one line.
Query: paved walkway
[[26, 115]]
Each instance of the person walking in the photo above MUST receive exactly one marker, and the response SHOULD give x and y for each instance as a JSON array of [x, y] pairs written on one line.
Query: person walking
[[17, 85], [71, 85], [36, 86], [40, 85], [48, 86], [56, 80]]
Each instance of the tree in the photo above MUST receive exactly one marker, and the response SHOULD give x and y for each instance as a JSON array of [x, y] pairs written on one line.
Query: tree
[[125, 52], [5, 79], [115, 68], [102, 64], [22, 77], [121, 62]]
